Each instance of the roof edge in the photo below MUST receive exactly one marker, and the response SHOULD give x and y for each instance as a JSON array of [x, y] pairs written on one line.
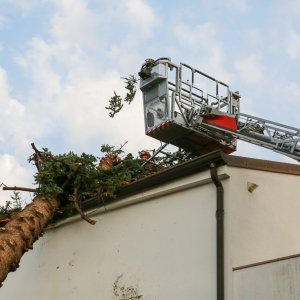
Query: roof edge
[[178, 171], [261, 164], [199, 164]]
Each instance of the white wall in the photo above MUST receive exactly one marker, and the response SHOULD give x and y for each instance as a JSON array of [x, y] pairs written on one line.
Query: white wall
[[264, 224], [261, 226], [162, 244], [163, 248], [277, 281]]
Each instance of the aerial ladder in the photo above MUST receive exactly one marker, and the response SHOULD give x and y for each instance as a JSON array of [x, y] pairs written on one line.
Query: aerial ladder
[[189, 109]]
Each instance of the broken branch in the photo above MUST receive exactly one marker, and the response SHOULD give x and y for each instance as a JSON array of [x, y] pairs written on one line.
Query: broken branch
[[37, 157], [18, 188], [75, 198]]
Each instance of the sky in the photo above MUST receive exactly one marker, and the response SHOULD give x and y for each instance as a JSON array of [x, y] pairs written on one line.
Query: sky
[[61, 60]]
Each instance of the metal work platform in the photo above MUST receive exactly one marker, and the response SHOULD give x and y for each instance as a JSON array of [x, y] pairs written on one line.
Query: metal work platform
[[175, 106], [189, 139], [198, 113]]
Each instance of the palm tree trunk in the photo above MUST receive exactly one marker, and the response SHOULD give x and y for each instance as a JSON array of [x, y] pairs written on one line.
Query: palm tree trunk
[[18, 235]]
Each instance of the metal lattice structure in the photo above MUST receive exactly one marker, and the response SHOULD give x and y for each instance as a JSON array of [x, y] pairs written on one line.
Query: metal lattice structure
[[194, 111]]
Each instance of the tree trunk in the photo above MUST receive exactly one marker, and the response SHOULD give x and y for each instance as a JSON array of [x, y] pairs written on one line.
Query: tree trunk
[[18, 235]]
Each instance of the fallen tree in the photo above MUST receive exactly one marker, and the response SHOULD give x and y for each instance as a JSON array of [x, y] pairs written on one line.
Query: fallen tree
[[19, 234], [67, 181], [64, 182]]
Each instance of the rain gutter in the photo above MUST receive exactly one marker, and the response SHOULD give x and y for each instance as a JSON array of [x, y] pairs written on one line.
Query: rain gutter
[[220, 230]]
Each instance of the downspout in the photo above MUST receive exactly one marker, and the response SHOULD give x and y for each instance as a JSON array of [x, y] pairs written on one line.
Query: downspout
[[220, 231]]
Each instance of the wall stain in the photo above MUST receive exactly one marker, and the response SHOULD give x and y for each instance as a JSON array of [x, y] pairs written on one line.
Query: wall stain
[[123, 292]]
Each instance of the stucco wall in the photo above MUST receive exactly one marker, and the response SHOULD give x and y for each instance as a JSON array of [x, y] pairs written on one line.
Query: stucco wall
[[163, 248], [278, 280], [162, 243], [263, 224], [259, 227]]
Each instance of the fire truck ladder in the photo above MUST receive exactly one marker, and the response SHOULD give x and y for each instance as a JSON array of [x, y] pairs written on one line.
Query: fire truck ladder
[[268, 134], [179, 112]]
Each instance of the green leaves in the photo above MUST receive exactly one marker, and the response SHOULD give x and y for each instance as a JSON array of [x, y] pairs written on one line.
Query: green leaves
[[68, 175], [60, 174], [115, 105], [72, 178], [11, 207], [116, 101], [131, 83]]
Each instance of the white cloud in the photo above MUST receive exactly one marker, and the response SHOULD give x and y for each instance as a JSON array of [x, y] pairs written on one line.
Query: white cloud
[[3, 22], [81, 109], [24, 5], [12, 116], [132, 17], [4, 88], [293, 91], [245, 149], [69, 91], [74, 62], [249, 68], [12, 174], [74, 24], [240, 5], [290, 107], [141, 15], [201, 47], [253, 37], [138, 21], [37, 62], [293, 45], [71, 101], [76, 106], [288, 9]]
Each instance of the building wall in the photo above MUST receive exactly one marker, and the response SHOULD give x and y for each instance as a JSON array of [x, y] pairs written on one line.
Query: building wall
[[277, 281], [260, 227], [162, 248], [263, 224], [161, 244]]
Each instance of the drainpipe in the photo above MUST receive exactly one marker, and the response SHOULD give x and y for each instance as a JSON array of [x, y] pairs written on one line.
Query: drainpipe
[[220, 231]]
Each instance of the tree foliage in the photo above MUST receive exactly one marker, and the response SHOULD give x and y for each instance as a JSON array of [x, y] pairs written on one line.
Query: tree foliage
[[11, 207], [116, 101], [70, 177], [66, 181], [115, 105], [131, 83]]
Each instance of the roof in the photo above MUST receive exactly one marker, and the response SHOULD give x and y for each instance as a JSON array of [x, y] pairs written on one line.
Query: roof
[[202, 163], [262, 165]]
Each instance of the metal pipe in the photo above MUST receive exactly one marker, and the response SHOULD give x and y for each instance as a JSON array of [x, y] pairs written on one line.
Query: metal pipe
[[220, 231], [155, 153]]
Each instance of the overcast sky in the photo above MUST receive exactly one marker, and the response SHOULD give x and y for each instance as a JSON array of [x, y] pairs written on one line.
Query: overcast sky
[[61, 60]]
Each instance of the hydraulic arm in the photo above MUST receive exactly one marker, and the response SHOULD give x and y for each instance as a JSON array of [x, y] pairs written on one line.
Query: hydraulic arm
[[192, 110]]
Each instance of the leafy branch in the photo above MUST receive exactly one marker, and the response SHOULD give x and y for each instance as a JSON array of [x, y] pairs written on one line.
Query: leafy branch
[[115, 105], [131, 83], [74, 179], [11, 207], [116, 101]]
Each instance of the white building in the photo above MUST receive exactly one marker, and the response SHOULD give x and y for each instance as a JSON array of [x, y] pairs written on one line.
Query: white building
[[159, 240]]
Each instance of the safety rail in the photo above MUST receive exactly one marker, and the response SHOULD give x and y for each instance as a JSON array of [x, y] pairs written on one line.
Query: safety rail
[[181, 104]]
